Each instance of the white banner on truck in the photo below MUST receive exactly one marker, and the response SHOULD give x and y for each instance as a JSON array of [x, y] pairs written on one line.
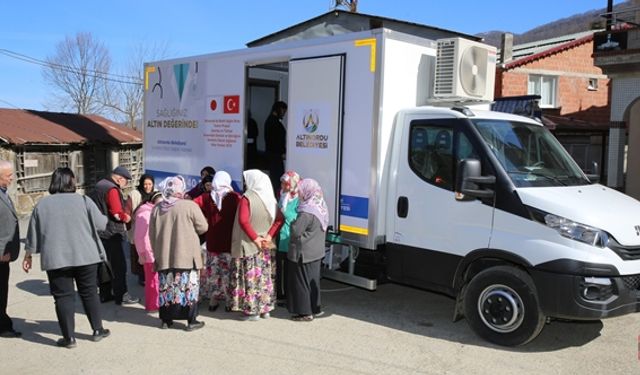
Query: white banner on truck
[[185, 125]]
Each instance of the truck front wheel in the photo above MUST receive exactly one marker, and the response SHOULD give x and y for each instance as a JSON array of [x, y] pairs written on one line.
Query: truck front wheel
[[501, 306]]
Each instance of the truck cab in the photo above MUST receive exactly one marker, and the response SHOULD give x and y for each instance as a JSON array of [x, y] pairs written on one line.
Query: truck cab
[[489, 208]]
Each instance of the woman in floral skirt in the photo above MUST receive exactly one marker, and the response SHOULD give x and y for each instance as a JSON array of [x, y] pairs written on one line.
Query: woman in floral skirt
[[257, 222], [173, 232], [219, 207]]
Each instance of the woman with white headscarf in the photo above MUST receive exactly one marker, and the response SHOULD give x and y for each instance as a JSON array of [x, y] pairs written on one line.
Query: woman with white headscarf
[[173, 232], [306, 250], [219, 207], [257, 222]]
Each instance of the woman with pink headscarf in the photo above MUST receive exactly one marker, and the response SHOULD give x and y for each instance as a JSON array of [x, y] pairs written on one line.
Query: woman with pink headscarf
[[306, 250], [173, 232], [288, 205], [219, 207]]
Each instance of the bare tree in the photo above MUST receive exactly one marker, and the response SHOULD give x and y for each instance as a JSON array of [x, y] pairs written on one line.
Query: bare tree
[[77, 72], [351, 5], [124, 98]]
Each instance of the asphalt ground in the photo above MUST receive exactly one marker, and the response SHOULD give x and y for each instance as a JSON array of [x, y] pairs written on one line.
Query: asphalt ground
[[394, 330]]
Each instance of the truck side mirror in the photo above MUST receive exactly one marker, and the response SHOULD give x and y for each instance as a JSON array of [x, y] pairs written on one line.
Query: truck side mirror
[[468, 180], [594, 177]]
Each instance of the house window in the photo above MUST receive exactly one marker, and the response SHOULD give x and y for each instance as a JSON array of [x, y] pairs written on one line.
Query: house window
[[593, 84], [546, 87]]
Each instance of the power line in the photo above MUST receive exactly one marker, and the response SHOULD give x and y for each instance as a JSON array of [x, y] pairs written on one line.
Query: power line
[[69, 69]]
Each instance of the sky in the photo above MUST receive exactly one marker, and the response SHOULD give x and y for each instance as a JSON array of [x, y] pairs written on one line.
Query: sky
[[194, 27]]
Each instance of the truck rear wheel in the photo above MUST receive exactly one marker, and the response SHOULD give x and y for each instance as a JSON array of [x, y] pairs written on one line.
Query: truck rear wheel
[[501, 306]]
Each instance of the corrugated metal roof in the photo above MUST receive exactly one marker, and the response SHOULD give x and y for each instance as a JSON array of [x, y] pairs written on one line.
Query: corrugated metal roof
[[19, 126]]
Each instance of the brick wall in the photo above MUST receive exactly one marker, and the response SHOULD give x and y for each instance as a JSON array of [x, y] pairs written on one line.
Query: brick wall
[[573, 67]]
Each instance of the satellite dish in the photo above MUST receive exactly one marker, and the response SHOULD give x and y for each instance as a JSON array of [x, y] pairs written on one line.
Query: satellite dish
[[473, 70]]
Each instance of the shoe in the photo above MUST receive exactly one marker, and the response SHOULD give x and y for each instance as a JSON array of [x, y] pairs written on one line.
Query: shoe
[[194, 325], [99, 334], [107, 298], [318, 314], [213, 308], [251, 318], [10, 334], [302, 318], [265, 315], [128, 299], [67, 343], [166, 325]]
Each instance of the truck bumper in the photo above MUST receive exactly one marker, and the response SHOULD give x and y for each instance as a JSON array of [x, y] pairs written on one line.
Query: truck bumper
[[586, 297]]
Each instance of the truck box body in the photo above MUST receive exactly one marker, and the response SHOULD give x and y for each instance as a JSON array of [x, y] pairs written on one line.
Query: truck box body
[[351, 85]]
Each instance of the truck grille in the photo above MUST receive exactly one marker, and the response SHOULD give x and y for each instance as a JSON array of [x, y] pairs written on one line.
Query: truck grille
[[632, 282], [625, 252]]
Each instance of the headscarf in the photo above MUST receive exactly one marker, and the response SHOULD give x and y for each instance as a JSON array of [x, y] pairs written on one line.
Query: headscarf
[[221, 186], [144, 196], [290, 179], [172, 189], [312, 201], [258, 182]]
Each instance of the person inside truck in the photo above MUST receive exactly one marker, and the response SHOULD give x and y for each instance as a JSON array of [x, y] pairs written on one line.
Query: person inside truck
[[275, 138], [444, 159]]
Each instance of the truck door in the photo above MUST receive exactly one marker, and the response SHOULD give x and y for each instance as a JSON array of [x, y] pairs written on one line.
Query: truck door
[[433, 231], [315, 124]]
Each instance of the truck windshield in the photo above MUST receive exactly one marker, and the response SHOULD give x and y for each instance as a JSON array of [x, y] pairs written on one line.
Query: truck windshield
[[530, 154]]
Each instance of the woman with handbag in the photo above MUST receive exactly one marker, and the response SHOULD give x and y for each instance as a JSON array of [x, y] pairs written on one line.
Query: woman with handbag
[[173, 233], [62, 230]]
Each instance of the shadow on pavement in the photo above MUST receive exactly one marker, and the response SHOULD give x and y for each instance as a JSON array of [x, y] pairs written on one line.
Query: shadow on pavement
[[430, 314], [33, 331], [38, 287]]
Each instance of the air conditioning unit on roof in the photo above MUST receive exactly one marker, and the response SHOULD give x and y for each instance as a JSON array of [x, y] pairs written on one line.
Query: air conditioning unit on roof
[[465, 70]]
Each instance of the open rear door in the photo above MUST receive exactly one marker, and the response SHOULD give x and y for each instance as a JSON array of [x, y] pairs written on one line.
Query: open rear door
[[314, 144]]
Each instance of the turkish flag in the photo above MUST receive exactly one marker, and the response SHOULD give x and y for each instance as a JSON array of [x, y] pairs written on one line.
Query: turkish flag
[[232, 104]]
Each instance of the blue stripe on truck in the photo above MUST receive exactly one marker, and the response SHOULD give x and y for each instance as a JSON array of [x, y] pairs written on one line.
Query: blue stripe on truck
[[354, 206]]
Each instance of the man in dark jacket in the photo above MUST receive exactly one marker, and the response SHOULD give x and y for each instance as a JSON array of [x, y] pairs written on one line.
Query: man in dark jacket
[[9, 246], [110, 200], [275, 138]]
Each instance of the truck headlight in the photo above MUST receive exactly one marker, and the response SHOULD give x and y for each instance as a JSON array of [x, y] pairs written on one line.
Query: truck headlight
[[570, 229]]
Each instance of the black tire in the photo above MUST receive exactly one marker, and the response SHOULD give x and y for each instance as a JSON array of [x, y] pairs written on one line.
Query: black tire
[[501, 306]]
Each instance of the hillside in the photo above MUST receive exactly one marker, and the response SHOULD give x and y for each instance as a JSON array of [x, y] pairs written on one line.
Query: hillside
[[564, 26]]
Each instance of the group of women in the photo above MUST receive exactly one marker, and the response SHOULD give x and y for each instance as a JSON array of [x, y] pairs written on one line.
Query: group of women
[[258, 248]]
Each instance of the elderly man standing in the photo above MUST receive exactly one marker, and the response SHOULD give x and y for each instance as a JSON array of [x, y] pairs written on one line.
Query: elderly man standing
[[110, 200], [9, 246]]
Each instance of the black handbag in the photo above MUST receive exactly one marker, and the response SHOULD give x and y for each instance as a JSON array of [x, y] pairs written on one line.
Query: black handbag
[[105, 273]]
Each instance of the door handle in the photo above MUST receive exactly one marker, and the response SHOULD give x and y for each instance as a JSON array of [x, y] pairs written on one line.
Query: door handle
[[403, 207]]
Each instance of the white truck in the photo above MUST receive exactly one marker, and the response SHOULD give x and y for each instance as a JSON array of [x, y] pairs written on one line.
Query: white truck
[[483, 206]]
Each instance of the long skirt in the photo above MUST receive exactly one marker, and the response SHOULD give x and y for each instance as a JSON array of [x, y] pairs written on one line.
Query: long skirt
[[178, 294], [303, 287], [151, 288], [214, 279], [251, 284]]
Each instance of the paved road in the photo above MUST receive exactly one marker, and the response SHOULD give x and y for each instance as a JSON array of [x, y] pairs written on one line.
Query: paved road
[[395, 330]]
